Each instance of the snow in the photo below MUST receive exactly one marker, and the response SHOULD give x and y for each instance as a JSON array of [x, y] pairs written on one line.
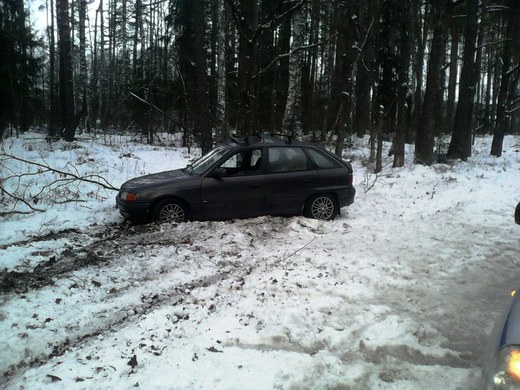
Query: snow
[[399, 292]]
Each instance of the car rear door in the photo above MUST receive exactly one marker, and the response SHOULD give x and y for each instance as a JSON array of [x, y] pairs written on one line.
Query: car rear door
[[235, 189], [290, 180]]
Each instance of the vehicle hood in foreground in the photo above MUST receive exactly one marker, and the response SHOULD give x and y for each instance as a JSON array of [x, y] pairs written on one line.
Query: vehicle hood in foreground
[[510, 330]]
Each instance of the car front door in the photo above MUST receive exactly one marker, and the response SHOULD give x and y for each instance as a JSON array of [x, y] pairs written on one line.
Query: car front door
[[289, 181], [235, 189]]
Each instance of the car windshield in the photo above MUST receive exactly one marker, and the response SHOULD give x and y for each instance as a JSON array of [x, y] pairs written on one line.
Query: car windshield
[[207, 161]]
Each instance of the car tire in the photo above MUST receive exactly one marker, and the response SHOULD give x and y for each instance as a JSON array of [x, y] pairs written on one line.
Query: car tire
[[171, 210], [517, 214], [324, 207]]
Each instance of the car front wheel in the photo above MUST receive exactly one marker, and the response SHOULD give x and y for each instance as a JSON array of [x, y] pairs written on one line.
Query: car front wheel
[[171, 210], [321, 207]]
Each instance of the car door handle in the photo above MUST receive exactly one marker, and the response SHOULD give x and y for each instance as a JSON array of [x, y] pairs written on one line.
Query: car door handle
[[257, 186]]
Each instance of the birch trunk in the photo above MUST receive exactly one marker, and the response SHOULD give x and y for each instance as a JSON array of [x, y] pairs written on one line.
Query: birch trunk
[[222, 129], [291, 122]]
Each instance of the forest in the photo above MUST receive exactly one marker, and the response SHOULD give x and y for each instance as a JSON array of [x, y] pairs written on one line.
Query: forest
[[431, 72]]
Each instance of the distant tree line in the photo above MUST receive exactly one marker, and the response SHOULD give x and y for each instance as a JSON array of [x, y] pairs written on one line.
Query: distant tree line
[[401, 70]]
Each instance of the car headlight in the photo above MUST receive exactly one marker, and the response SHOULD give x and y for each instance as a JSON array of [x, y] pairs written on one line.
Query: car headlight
[[128, 196], [506, 369]]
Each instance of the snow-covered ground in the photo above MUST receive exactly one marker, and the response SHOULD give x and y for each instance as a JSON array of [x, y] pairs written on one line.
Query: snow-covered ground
[[400, 292]]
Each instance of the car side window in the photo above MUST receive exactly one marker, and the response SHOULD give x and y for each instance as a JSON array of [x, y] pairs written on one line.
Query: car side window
[[322, 161], [287, 159], [244, 162]]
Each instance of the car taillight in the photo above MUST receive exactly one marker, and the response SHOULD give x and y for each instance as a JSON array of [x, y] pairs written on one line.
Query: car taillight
[[350, 179]]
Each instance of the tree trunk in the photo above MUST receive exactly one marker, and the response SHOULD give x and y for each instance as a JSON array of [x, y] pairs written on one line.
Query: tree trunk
[[420, 35], [53, 130], [221, 121], [431, 111], [365, 68], [202, 118], [512, 41], [398, 146], [83, 76], [452, 83], [460, 145], [66, 74], [291, 123], [246, 65]]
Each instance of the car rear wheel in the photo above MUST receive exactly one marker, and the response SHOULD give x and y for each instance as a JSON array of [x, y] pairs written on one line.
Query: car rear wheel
[[321, 207], [171, 210]]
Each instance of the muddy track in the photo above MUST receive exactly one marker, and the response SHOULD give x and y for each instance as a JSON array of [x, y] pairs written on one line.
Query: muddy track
[[106, 247], [75, 256]]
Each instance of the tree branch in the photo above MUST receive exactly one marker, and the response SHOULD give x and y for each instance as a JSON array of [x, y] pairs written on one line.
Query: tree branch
[[75, 176], [280, 56], [18, 199]]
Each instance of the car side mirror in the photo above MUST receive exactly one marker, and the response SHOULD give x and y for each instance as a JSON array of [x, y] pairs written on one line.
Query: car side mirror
[[218, 173]]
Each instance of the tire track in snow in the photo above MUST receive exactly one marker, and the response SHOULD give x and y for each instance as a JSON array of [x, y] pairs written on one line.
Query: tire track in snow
[[190, 237]]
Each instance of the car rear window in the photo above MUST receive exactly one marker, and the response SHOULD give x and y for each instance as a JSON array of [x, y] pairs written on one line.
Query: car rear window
[[323, 161]]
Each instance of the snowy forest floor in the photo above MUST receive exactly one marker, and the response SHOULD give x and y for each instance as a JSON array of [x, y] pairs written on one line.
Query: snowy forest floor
[[399, 292]]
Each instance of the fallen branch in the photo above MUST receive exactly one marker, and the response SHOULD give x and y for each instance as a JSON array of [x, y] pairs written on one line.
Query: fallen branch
[[75, 176], [27, 189], [18, 199]]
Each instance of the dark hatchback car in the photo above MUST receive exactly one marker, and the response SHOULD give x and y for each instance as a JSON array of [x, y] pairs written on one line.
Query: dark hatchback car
[[260, 175]]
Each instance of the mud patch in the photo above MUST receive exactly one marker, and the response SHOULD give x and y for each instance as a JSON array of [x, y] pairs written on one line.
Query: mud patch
[[45, 273]]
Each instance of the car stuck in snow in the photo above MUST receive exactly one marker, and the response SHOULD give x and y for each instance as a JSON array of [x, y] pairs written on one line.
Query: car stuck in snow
[[243, 178]]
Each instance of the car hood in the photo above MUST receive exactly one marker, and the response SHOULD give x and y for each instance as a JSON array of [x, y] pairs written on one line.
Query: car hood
[[510, 330], [156, 179]]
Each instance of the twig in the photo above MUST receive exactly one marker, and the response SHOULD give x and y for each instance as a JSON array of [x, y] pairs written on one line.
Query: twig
[[298, 250]]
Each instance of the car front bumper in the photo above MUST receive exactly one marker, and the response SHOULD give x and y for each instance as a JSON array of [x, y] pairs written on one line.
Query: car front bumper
[[133, 211]]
